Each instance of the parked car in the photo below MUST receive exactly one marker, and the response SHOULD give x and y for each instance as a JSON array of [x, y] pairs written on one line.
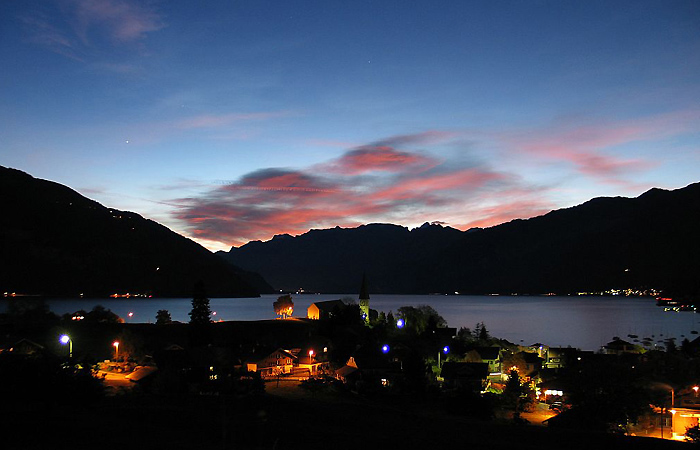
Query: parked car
[[557, 407]]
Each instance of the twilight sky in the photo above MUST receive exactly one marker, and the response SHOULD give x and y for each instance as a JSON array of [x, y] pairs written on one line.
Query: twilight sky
[[230, 121]]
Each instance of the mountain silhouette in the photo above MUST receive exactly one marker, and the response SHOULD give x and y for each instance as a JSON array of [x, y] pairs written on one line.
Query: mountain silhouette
[[55, 242], [652, 241]]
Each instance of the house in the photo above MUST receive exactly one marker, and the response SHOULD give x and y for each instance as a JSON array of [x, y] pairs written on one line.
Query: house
[[488, 355], [370, 368], [279, 362], [532, 365], [324, 310], [465, 375], [687, 413], [346, 372], [444, 335], [27, 347], [619, 347]]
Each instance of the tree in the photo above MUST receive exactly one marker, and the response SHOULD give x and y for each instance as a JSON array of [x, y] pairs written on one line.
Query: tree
[[483, 332], [100, 314], [421, 318], [517, 393], [200, 314], [671, 345], [693, 434], [163, 317], [284, 306]]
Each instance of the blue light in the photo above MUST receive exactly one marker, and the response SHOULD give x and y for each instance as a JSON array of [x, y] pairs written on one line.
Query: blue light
[[385, 348], [400, 323], [446, 349]]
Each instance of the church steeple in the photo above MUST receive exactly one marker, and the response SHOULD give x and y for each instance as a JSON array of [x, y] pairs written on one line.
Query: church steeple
[[364, 299]]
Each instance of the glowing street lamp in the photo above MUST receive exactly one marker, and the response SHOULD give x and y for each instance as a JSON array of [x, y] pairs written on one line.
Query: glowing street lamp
[[385, 348], [116, 350], [311, 361], [65, 339], [400, 323], [695, 388], [445, 351]]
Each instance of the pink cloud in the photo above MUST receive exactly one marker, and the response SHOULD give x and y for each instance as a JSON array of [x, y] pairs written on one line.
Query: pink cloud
[[380, 158], [433, 185], [378, 183], [429, 137], [504, 212], [590, 147]]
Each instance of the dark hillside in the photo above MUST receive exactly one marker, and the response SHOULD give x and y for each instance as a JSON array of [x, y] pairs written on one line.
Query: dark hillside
[[54, 241]]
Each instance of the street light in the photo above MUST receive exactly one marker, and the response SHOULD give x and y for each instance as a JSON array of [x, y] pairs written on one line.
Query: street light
[[400, 323], [385, 348], [445, 351], [65, 339], [116, 350]]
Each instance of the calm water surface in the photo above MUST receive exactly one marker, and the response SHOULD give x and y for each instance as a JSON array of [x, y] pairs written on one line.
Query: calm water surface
[[583, 322]]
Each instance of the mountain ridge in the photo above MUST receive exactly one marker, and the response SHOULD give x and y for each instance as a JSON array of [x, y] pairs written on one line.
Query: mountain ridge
[[606, 242]]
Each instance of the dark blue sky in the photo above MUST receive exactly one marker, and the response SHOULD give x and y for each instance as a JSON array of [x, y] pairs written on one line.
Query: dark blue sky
[[236, 120]]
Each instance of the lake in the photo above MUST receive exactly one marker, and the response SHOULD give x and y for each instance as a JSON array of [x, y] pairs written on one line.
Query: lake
[[583, 322]]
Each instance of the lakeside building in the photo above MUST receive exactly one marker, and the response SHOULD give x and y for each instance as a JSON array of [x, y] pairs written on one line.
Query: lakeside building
[[325, 310]]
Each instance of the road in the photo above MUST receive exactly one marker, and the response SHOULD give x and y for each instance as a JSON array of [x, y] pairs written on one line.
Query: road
[[539, 414], [115, 381]]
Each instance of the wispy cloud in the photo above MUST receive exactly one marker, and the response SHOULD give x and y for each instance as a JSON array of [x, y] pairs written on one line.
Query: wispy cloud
[[42, 32], [122, 20], [76, 28], [590, 146], [222, 120]]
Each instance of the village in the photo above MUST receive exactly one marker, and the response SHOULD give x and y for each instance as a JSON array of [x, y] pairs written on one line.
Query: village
[[346, 347]]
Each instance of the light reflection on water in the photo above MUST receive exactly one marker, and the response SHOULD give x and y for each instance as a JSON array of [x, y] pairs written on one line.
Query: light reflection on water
[[583, 322]]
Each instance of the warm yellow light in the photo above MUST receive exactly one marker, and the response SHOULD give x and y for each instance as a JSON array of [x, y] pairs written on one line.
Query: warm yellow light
[[116, 344], [311, 353], [695, 388], [673, 411]]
